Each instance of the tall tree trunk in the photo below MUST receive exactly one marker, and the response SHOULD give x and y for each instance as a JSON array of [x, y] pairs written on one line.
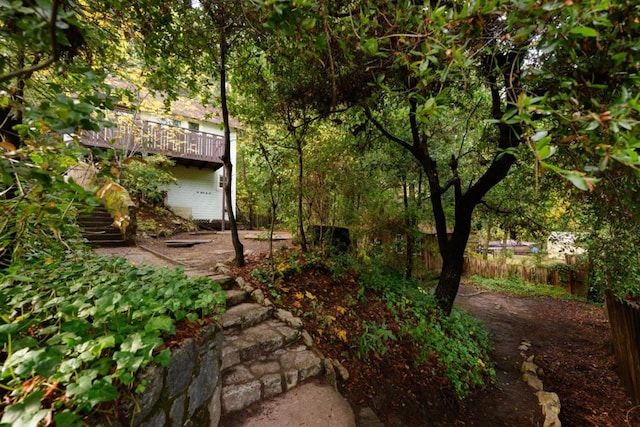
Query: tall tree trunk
[[272, 220], [408, 225], [453, 258], [449, 282], [273, 181], [228, 166], [303, 237], [249, 193]]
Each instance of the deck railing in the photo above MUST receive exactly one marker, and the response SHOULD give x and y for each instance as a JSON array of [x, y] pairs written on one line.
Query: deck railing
[[152, 137]]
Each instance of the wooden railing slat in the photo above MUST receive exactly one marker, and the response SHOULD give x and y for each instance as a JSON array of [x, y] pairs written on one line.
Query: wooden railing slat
[[172, 141]]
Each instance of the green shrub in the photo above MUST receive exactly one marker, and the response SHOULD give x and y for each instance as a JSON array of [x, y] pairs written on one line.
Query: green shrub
[[147, 179], [615, 263], [79, 329], [39, 206], [458, 342], [457, 346], [373, 339]]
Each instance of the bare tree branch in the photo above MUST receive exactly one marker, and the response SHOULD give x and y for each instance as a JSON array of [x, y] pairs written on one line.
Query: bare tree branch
[[385, 132]]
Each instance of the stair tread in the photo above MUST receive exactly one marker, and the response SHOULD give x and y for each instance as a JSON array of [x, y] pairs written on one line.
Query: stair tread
[[235, 297], [245, 384], [265, 337], [262, 356], [245, 315], [283, 360]]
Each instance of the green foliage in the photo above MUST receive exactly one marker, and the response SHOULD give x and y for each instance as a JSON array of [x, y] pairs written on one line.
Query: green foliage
[[373, 339], [147, 179], [83, 327], [39, 218], [456, 346], [613, 245], [468, 87], [615, 264], [458, 342], [517, 286]]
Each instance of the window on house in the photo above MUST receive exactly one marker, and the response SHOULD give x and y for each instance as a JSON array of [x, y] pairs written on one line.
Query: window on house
[[194, 126], [221, 180], [170, 122]]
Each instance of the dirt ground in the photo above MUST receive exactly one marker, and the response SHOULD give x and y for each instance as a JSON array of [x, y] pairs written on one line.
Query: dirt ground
[[214, 247], [570, 341]]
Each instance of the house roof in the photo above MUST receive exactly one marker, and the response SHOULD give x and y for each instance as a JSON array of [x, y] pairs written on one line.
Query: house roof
[[182, 107]]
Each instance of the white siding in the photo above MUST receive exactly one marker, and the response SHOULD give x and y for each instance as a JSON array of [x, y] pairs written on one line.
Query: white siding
[[196, 195]]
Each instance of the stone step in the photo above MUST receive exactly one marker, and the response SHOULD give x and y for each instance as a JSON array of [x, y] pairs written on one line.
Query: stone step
[[244, 345], [235, 297], [270, 375], [96, 225], [107, 243], [96, 217], [245, 315], [227, 282], [105, 235], [263, 354]]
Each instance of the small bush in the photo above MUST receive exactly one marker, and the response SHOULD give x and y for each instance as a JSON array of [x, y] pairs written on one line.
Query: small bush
[[147, 179], [373, 339]]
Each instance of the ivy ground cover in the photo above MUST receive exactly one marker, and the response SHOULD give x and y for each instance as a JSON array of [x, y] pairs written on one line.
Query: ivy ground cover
[[74, 333]]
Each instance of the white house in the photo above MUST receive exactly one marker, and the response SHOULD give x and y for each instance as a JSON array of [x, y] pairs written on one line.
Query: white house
[[188, 133], [561, 243]]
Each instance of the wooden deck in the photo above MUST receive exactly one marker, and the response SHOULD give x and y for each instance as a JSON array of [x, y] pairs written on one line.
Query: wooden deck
[[151, 137]]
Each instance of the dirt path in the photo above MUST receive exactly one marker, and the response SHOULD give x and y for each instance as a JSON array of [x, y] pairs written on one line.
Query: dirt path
[[570, 343]]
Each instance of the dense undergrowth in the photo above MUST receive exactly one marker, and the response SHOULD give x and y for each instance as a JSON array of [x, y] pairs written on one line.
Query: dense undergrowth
[[364, 310], [458, 343], [75, 332]]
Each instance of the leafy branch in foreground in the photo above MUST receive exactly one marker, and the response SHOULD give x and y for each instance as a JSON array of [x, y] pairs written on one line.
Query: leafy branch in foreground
[[74, 334]]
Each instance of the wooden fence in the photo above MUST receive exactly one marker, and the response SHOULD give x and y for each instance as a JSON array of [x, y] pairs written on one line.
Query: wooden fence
[[574, 281], [427, 261], [625, 329]]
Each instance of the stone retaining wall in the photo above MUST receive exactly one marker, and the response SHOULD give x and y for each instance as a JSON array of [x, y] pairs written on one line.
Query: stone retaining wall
[[187, 392]]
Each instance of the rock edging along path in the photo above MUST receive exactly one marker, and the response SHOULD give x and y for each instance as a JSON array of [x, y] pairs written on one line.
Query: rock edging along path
[[549, 401]]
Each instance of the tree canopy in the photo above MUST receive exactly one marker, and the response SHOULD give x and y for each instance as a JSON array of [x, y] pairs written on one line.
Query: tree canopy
[[536, 71], [466, 88]]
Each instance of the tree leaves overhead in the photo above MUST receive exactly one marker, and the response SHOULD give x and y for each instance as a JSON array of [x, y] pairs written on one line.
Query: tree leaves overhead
[[558, 78]]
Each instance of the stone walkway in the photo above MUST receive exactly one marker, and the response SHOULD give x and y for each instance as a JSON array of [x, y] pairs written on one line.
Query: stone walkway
[[264, 356]]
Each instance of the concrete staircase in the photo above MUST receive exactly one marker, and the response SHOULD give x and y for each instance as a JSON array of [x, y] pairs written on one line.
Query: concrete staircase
[[97, 228], [265, 351]]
